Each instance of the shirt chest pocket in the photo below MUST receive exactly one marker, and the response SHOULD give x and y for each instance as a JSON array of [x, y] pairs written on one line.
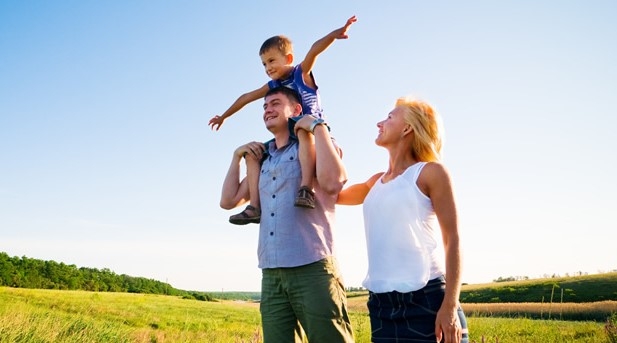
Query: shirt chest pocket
[[287, 167]]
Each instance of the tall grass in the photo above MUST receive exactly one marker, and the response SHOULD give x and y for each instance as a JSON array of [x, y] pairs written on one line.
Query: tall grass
[[508, 330], [77, 316], [611, 328], [41, 316], [597, 311]]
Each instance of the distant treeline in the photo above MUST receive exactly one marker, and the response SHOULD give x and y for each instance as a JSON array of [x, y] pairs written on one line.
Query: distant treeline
[[244, 296], [24, 272]]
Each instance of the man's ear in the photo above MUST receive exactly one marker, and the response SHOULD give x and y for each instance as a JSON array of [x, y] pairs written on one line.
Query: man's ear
[[298, 109], [289, 58]]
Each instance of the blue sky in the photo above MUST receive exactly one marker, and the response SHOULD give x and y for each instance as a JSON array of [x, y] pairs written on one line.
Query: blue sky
[[107, 161]]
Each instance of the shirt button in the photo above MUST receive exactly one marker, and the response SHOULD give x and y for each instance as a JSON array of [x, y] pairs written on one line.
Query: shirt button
[[273, 196], [291, 158], [272, 214], [271, 233], [274, 178]]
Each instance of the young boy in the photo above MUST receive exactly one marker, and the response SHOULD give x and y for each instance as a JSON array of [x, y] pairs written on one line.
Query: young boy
[[277, 58]]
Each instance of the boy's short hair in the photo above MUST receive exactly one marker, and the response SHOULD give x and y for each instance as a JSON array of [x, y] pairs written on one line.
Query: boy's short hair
[[291, 94], [280, 42]]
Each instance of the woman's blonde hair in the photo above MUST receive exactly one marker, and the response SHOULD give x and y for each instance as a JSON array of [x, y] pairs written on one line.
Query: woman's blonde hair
[[427, 127]]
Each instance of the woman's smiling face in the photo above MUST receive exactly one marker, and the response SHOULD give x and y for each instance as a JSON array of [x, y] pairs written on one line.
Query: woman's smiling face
[[391, 128]]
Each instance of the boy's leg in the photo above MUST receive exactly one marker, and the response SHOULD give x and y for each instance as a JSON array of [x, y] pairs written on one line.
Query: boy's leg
[[320, 302], [252, 213], [253, 167], [306, 152]]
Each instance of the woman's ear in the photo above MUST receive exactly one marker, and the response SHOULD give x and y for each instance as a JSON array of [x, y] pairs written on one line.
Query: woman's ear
[[407, 129]]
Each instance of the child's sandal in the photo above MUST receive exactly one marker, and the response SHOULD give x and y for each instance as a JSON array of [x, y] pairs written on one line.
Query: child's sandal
[[305, 198], [244, 217]]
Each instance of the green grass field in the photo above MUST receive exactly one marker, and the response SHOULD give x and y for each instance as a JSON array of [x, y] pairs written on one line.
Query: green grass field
[[571, 289], [29, 316]]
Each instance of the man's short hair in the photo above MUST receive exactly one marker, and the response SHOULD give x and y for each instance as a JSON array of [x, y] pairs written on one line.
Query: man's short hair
[[291, 94]]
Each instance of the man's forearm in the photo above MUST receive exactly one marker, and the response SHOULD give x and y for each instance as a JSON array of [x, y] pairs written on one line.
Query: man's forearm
[[231, 185], [330, 171]]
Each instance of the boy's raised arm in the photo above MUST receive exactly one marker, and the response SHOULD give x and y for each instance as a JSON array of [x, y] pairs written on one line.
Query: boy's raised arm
[[321, 45], [217, 121]]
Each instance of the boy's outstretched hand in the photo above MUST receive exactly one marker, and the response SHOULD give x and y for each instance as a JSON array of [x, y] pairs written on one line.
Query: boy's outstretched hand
[[216, 122], [342, 32]]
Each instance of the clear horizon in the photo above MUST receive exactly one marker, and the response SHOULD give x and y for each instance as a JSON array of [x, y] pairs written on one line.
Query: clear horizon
[[517, 278]]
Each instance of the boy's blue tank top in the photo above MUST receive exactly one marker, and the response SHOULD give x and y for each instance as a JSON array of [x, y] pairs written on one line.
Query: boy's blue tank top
[[311, 102]]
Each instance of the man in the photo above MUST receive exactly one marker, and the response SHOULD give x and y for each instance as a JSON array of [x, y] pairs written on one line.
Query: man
[[302, 289]]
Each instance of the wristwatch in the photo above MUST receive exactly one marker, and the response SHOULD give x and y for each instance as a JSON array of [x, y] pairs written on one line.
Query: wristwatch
[[317, 121]]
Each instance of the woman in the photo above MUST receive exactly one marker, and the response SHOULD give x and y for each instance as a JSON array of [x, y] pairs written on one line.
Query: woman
[[413, 275]]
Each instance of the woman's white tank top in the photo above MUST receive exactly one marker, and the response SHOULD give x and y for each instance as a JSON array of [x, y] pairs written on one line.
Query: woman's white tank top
[[402, 235]]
